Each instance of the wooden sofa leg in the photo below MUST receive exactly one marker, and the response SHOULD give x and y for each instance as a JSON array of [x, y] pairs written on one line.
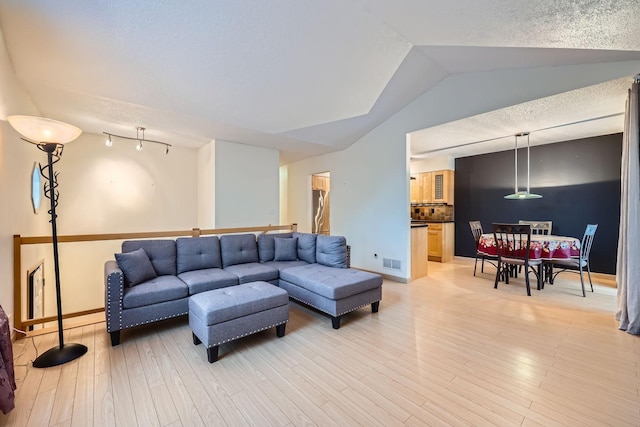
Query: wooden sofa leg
[[335, 322], [212, 354], [115, 338], [196, 340], [375, 306], [280, 330]]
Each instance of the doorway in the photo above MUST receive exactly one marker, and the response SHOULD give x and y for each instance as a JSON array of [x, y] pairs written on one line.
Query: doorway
[[320, 206]]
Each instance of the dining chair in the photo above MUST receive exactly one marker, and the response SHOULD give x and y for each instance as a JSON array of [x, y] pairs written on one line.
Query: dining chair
[[538, 227], [581, 262], [512, 245], [476, 230]]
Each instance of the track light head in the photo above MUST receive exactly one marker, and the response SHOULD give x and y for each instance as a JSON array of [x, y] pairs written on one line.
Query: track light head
[[166, 151], [139, 146], [109, 141]]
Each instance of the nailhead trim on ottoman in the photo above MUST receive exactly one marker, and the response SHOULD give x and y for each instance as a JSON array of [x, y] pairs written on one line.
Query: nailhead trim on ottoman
[[222, 315]]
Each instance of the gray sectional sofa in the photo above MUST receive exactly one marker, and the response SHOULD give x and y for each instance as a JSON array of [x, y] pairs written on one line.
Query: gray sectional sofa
[[152, 280]]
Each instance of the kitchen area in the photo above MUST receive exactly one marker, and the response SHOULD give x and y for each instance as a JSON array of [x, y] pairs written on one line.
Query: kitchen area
[[432, 219]]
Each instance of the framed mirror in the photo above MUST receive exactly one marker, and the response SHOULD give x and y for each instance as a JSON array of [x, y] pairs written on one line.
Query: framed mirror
[[36, 188]]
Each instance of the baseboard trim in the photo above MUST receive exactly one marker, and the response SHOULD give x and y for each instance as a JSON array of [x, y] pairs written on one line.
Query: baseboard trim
[[385, 276]]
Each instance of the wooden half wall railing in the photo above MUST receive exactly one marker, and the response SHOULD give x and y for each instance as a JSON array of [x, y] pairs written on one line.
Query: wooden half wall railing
[[18, 241]]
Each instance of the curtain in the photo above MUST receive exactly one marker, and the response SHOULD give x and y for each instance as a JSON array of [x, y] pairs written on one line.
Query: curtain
[[628, 263]]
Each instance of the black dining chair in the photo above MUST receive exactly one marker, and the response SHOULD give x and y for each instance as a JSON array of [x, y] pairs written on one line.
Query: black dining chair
[[513, 243], [539, 228], [579, 263], [476, 230]]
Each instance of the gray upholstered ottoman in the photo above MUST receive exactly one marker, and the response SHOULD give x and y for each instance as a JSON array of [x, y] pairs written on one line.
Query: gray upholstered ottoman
[[222, 315]]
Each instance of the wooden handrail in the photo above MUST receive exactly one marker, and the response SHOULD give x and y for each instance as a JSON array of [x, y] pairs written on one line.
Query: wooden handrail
[[19, 241]]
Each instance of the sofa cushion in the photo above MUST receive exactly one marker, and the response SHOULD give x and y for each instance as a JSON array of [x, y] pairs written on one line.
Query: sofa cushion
[[162, 254], [207, 279], [154, 291], [266, 248], [332, 283], [253, 271], [286, 249], [135, 266], [238, 249], [197, 253], [306, 247], [331, 251], [281, 265]]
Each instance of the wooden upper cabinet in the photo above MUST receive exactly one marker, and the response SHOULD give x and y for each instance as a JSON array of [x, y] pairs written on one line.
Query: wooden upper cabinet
[[319, 182], [442, 186], [415, 186], [427, 189], [432, 187]]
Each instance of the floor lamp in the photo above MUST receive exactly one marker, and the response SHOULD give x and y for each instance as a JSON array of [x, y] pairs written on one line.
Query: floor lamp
[[49, 136]]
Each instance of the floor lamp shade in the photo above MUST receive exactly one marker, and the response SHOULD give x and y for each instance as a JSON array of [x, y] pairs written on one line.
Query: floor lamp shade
[[43, 130], [49, 135]]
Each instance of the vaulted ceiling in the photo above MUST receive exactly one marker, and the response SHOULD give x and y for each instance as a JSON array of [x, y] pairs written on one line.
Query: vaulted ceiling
[[310, 77]]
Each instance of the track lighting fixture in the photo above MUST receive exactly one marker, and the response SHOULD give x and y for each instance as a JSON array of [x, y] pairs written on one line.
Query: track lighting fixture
[[139, 138]]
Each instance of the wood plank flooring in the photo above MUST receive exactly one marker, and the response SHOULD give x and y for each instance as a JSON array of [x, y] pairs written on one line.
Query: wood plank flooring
[[446, 349]]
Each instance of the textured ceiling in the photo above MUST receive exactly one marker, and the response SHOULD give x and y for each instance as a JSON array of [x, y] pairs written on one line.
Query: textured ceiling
[[313, 77]]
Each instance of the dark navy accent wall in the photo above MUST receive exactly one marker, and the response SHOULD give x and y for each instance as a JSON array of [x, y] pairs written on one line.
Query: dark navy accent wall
[[579, 181]]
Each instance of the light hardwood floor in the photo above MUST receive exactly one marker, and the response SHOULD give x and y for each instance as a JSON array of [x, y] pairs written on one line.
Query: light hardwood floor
[[446, 349]]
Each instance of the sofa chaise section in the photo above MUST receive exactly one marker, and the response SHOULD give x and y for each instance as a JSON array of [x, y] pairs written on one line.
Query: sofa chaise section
[[328, 284]]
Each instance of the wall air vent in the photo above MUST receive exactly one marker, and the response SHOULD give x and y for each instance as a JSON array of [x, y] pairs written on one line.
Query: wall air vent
[[391, 263]]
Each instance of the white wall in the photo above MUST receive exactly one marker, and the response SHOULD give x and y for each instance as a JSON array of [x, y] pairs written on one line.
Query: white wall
[[246, 185], [284, 195], [15, 162], [432, 164], [369, 198], [118, 189], [207, 186]]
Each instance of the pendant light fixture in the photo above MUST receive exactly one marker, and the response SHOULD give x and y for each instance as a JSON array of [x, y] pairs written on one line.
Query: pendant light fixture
[[520, 195]]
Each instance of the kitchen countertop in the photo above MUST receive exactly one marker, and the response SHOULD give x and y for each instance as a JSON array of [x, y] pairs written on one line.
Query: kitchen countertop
[[419, 224], [427, 221]]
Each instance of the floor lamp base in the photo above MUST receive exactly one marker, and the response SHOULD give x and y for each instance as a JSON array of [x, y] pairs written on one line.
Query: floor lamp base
[[59, 355]]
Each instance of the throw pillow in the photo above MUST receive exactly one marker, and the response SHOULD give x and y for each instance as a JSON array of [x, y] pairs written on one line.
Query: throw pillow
[[286, 249], [331, 251], [135, 266], [306, 247]]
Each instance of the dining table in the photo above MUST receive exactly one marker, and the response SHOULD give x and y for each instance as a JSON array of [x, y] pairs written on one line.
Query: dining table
[[544, 247]]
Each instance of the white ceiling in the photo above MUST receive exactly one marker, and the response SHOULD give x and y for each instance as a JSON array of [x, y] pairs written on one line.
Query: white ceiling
[[313, 77]]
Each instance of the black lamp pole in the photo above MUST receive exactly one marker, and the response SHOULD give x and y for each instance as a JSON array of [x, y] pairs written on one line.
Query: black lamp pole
[[63, 353]]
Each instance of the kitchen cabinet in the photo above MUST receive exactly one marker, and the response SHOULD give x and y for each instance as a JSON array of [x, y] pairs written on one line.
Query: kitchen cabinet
[[319, 182], [415, 187], [432, 187], [440, 241], [427, 191], [442, 187], [419, 251]]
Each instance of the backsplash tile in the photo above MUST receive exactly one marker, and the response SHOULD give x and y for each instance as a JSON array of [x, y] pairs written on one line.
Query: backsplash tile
[[432, 213]]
